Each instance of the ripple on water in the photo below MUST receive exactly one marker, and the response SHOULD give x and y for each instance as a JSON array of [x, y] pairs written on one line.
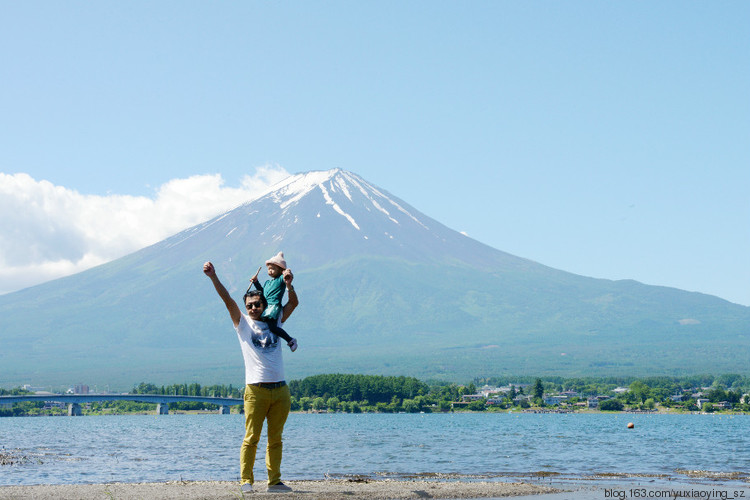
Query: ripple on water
[[135, 448]]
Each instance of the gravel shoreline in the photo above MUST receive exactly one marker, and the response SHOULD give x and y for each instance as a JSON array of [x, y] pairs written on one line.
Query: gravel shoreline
[[337, 489]]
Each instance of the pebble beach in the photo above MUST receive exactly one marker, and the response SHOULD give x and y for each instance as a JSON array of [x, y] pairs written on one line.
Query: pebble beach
[[328, 490]]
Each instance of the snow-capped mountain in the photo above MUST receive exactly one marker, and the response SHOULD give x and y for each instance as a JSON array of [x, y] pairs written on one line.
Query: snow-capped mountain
[[336, 214], [383, 289]]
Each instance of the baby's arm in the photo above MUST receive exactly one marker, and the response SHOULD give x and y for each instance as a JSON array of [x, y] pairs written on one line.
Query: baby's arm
[[254, 280]]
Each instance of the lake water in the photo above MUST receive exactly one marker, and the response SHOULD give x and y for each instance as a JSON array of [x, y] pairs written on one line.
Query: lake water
[[687, 448]]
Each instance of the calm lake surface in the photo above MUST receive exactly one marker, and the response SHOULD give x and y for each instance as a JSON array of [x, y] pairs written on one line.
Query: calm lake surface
[[145, 448]]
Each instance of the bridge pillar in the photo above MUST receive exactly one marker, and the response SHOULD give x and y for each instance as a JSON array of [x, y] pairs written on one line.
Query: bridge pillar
[[224, 410], [74, 410], [162, 408]]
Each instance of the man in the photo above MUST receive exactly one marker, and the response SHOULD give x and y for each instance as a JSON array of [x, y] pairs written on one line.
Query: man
[[266, 393]]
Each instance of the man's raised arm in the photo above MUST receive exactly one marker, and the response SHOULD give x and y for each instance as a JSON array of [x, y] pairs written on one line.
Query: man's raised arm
[[293, 301], [234, 310]]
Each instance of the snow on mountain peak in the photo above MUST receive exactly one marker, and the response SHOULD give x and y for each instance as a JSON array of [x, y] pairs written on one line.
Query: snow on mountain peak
[[338, 189], [297, 186]]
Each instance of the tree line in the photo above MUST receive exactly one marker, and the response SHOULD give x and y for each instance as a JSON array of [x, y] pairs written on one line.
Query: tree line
[[370, 388], [359, 393], [353, 393], [193, 389], [663, 386]]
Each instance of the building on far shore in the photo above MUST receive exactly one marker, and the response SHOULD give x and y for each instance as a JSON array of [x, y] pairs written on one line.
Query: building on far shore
[[81, 389]]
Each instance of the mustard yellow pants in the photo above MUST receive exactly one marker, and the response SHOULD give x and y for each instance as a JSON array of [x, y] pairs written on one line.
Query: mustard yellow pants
[[264, 404]]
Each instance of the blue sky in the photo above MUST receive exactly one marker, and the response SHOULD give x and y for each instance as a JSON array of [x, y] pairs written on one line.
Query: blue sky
[[609, 139]]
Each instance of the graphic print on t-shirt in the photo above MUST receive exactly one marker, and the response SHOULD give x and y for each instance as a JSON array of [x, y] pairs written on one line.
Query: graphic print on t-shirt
[[265, 340]]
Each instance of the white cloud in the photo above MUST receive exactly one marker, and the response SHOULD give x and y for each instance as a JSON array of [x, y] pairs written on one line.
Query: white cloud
[[49, 231]]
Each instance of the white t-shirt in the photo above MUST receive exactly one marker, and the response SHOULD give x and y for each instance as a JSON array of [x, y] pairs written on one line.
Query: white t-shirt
[[261, 350]]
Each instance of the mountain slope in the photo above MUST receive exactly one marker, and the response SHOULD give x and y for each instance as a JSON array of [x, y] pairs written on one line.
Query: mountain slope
[[383, 288]]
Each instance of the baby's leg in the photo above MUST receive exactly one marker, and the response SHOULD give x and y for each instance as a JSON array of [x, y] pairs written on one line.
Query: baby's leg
[[277, 330]]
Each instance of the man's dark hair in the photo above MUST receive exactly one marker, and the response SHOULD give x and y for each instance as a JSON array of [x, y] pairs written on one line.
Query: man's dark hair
[[255, 293]]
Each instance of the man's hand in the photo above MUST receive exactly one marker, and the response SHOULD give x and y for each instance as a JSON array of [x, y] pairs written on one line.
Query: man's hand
[[234, 310]]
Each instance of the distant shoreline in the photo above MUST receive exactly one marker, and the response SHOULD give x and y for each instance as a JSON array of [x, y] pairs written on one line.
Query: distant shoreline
[[659, 411]]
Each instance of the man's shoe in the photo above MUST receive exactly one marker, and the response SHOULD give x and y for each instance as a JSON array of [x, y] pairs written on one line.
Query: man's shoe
[[279, 488], [246, 488], [292, 344]]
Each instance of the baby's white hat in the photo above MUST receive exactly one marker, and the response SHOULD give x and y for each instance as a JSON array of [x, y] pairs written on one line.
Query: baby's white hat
[[277, 259]]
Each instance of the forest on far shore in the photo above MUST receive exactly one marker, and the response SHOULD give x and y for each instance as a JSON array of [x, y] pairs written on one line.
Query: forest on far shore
[[353, 393]]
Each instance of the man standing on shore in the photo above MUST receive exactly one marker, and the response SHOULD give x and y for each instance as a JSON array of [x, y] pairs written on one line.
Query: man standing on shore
[[266, 393]]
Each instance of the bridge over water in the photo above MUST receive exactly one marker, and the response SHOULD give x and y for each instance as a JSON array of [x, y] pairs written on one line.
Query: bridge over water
[[162, 401]]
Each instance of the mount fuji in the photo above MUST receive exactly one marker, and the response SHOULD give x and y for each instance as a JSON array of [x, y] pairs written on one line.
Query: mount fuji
[[383, 288]]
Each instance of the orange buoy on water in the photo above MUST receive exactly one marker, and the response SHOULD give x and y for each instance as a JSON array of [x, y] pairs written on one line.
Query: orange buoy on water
[[631, 425]]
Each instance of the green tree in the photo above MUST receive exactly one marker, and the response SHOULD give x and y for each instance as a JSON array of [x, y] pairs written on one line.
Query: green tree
[[716, 395], [640, 391], [538, 390], [469, 389], [295, 404], [478, 405], [733, 397], [611, 405], [395, 405], [144, 388], [333, 403]]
